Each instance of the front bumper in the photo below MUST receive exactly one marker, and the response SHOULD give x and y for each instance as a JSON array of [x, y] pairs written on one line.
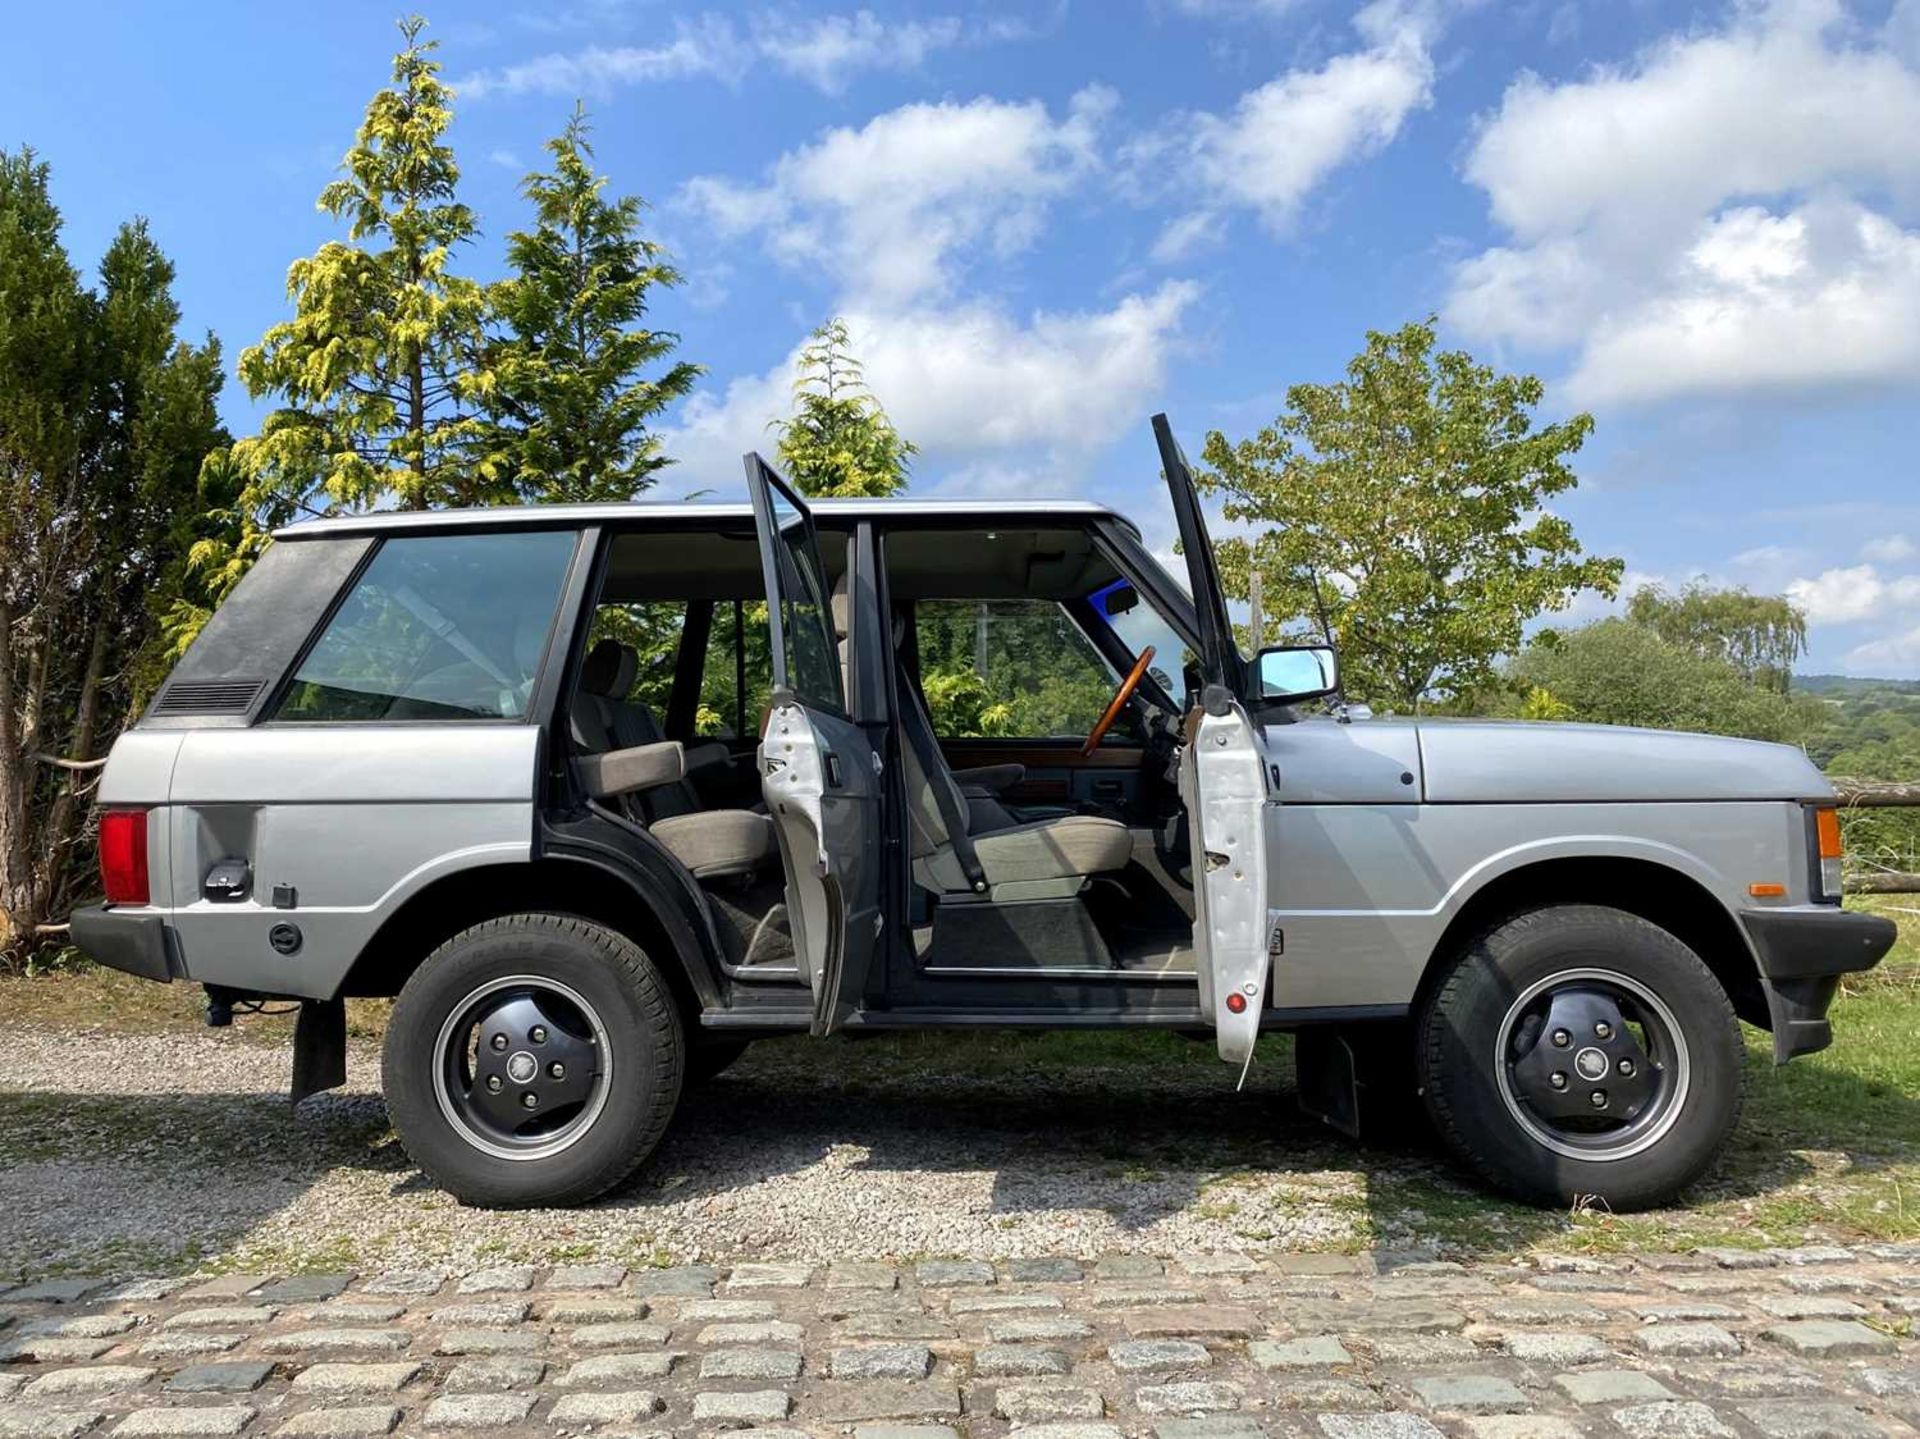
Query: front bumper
[[132, 943], [1803, 952]]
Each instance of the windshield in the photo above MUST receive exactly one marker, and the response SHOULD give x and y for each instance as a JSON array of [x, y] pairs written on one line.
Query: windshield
[[1138, 624]]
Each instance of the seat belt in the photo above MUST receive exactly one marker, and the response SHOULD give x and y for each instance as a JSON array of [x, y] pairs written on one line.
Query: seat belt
[[927, 753]]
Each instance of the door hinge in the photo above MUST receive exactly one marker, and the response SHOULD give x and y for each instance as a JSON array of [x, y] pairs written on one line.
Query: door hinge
[[1276, 943]]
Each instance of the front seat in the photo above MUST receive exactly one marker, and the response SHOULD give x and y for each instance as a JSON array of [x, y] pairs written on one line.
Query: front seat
[[961, 842], [953, 853]]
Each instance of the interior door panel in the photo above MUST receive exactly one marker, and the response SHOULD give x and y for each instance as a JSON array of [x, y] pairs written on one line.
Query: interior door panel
[[1056, 772]]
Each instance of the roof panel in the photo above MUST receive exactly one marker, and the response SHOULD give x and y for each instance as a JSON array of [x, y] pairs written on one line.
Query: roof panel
[[684, 512]]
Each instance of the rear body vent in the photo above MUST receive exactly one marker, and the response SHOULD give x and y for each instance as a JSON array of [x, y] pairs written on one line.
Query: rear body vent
[[208, 697]]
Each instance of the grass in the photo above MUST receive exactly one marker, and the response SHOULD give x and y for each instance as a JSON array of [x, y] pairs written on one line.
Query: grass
[[1828, 1149]]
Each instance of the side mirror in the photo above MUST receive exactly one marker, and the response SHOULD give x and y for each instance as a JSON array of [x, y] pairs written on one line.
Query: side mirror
[[1291, 674]]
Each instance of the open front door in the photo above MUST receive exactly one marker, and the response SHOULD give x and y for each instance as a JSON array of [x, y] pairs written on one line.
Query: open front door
[[1223, 784], [818, 770]]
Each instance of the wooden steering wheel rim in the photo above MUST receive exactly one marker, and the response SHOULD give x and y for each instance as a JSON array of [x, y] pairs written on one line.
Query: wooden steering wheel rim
[[1120, 698]]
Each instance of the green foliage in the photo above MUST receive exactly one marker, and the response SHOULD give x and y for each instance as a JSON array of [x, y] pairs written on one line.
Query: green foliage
[[1617, 672], [839, 444], [1413, 498], [1008, 667], [1759, 635], [1872, 732], [568, 403], [1543, 704], [105, 415], [376, 368]]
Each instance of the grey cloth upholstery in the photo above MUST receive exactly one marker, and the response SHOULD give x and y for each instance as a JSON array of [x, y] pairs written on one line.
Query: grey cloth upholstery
[[717, 842], [1070, 847], [1039, 859], [605, 720], [990, 778], [628, 771]]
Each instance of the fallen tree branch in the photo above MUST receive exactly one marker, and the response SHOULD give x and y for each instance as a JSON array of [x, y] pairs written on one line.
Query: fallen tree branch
[[1888, 883], [58, 763], [1874, 794]]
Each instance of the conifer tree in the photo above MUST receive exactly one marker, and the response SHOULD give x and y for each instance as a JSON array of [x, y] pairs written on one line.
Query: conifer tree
[[376, 369], [839, 444], [569, 397]]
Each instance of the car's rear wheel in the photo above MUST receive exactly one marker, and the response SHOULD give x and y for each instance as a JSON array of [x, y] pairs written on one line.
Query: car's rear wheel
[[1582, 1053], [534, 1059]]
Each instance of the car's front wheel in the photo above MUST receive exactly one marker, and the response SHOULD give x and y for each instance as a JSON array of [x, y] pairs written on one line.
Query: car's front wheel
[[533, 1060], [1578, 1053]]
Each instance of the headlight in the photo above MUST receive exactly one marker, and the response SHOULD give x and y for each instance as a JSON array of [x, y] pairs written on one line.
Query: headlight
[[1827, 851]]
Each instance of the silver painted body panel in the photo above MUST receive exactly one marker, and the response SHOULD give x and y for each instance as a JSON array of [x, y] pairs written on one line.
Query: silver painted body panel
[[1373, 835], [356, 818], [1488, 761], [1364, 889], [1223, 785]]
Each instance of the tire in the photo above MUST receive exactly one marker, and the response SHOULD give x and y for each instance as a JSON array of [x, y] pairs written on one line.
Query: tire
[[576, 992], [1506, 1050], [709, 1058]]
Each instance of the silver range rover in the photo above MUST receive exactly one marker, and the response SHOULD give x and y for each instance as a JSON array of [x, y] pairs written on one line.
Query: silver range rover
[[603, 793]]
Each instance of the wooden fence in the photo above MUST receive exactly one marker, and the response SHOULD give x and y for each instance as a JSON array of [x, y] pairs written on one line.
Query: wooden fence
[[1875, 794]]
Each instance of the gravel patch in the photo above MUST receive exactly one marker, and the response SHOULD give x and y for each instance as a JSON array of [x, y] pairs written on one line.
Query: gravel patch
[[188, 1152]]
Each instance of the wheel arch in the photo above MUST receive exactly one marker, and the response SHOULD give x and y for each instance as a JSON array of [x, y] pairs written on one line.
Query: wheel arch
[[622, 897], [1658, 893]]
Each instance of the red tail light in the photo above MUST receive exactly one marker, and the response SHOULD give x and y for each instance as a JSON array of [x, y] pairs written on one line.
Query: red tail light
[[123, 855]]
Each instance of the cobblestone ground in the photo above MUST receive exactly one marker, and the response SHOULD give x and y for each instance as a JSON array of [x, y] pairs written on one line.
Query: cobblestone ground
[[1790, 1344]]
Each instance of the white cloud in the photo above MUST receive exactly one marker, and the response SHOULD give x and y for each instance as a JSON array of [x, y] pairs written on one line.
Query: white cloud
[[505, 159], [1889, 549], [1896, 653], [712, 48], [989, 397], [826, 51], [1722, 215], [1852, 593], [886, 207], [1283, 139]]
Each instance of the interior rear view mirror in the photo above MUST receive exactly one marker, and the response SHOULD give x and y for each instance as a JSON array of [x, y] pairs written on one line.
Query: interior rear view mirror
[[1293, 673], [1121, 598]]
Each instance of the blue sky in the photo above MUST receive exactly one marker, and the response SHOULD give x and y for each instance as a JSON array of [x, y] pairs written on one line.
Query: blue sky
[[1047, 220]]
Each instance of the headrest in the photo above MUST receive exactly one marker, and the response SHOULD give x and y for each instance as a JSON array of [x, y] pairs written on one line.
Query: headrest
[[841, 607], [609, 670]]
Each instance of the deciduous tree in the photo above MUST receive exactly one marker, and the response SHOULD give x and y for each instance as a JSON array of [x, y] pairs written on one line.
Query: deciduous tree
[[1410, 502], [1759, 635], [105, 416]]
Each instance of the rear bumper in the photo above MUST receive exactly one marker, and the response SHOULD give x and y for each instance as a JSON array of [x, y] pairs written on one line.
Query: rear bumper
[[1803, 952], [132, 943]]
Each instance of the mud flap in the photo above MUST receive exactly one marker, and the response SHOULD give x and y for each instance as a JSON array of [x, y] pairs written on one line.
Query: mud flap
[[319, 1047], [1328, 1079]]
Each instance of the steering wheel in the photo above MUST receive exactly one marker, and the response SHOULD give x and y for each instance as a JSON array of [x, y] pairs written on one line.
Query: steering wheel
[[1120, 698]]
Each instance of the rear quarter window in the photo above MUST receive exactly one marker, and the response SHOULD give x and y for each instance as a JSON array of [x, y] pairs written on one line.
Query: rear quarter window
[[437, 627]]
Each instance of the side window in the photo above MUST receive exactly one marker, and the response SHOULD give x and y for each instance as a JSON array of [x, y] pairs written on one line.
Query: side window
[[441, 627], [1015, 668], [651, 629], [738, 676], [812, 658]]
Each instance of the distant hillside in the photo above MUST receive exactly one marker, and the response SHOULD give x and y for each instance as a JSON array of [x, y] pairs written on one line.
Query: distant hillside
[[1850, 687]]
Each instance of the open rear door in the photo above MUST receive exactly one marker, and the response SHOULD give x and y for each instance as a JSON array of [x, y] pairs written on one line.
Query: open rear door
[[1223, 783], [818, 770]]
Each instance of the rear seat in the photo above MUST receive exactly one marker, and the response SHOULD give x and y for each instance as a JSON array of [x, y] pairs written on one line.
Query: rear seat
[[626, 757]]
